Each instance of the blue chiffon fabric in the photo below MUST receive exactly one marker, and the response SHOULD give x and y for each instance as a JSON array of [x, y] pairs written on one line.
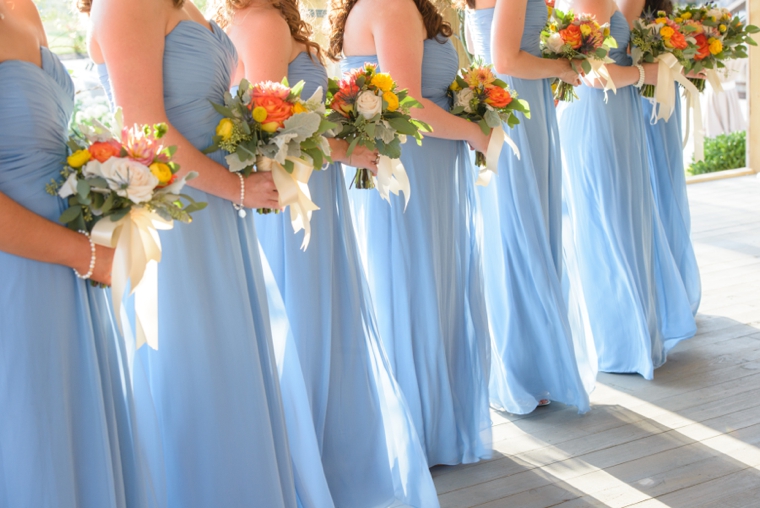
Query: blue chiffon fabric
[[425, 275], [666, 168], [637, 301], [536, 354], [66, 431], [367, 444], [214, 377]]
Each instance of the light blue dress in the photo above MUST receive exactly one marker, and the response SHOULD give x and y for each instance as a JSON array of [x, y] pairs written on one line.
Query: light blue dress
[[214, 378], [533, 354], [669, 186], [638, 306], [66, 434], [370, 451], [425, 275]]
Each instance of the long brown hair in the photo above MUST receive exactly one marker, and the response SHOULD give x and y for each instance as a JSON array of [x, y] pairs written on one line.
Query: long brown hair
[[435, 26], [85, 5], [659, 5], [224, 10]]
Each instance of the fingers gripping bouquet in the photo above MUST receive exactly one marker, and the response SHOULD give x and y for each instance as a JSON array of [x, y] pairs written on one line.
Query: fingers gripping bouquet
[[717, 36], [480, 97], [578, 37], [268, 127], [371, 111], [122, 187]]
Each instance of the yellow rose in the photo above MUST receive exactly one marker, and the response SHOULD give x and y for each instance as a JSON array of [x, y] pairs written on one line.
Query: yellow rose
[[715, 45], [606, 31], [224, 129], [661, 21], [78, 159], [162, 172], [678, 20], [270, 127], [667, 32], [392, 100], [585, 30], [259, 114], [722, 28], [686, 15], [298, 108], [383, 81], [454, 87]]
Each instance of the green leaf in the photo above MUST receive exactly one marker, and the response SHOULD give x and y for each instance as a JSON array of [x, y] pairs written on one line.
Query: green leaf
[[403, 126], [83, 191], [108, 204], [70, 214], [351, 146], [484, 127], [223, 110]]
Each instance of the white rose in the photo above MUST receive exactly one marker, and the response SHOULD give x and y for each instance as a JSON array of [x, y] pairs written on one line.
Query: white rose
[[368, 104], [128, 178], [555, 43], [715, 14], [69, 187], [402, 138], [463, 98]]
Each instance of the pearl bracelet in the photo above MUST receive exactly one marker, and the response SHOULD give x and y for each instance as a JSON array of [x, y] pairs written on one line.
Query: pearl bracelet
[[642, 76], [241, 207], [93, 257]]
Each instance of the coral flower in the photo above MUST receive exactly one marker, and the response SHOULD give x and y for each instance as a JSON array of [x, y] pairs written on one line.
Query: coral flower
[[498, 97], [272, 97], [677, 41], [101, 151], [572, 36], [703, 48]]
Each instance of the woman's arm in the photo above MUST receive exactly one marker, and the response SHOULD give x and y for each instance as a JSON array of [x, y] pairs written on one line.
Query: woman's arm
[[131, 37], [399, 36], [509, 59], [25, 234], [631, 9]]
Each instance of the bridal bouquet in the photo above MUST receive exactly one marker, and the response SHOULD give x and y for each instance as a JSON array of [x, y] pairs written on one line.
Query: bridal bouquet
[[371, 111], [578, 37], [717, 36], [480, 97], [122, 187], [268, 127]]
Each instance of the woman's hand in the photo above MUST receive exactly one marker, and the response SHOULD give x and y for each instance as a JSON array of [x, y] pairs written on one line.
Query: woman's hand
[[480, 142], [696, 75], [363, 157], [568, 74], [260, 191], [651, 72]]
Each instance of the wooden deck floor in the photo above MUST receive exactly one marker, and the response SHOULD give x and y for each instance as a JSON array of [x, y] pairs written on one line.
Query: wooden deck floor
[[690, 438]]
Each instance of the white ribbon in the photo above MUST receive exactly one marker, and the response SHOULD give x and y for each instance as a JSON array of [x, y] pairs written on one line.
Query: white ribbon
[[392, 178], [137, 253], [293, 189], [495, 145], [714, 79], [669, 72], [600, 72]]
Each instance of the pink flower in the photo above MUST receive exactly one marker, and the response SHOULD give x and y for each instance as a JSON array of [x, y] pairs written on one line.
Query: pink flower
[[270, 89], [140, 147]]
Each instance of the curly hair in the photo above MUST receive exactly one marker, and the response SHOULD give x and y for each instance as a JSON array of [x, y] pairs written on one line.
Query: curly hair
[[84, 6], [224, 10], [463, 4], [435, 26], [659, 5]]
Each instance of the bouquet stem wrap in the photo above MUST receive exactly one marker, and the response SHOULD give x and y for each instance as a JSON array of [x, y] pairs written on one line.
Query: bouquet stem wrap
[[138, 251], [294, 192], [392, 178], [495, 145], [670, 72]]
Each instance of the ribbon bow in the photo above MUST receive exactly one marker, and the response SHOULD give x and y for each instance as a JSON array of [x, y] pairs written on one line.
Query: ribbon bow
[[392, 178], [600, 72], [137, 253], [498, 138], [293, 189]]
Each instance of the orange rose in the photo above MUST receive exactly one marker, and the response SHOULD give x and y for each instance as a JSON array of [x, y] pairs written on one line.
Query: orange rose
[[101, 151], [703, 48], [498, 97], [678, 41], [572, 36], [278, 110]]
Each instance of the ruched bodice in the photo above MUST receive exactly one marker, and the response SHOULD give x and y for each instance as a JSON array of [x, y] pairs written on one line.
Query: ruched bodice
[[482, 19], [198, 65], [32, 143], [440, 64], [311, 72], [621, 32]]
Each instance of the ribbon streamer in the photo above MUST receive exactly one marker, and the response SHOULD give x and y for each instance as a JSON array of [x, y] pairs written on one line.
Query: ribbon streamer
[[137, 253], [293, 189], [392, 178], [600, 72], [714, 79], [495, 145]]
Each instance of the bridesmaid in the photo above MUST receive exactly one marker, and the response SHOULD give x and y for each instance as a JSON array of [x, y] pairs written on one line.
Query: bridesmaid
[[637, 303], [65, 434], [363, 427], [424, 263], [534, 359], [214, 378], [666, 168]]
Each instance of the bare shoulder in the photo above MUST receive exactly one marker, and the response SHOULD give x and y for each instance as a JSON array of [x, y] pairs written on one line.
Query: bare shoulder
[[264, 24]]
